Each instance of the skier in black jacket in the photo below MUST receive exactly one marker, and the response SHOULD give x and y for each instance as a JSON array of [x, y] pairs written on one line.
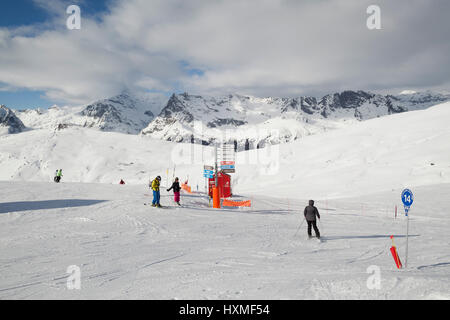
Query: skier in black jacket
[[176, 191], [310, 215]]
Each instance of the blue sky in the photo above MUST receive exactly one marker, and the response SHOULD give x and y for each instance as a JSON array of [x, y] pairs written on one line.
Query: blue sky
[[24, 99], [20, 12], [17, 13]]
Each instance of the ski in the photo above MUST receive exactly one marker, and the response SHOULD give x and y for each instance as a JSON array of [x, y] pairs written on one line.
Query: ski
[[319, 240], [164, 207]]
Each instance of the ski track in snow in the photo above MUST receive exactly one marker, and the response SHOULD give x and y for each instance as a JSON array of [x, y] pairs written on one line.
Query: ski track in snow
[[128, 250]]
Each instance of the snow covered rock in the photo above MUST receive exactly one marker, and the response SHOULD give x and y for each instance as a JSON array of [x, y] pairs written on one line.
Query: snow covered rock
[[251, 122], [9, 122], [246, 121], [52, 118], [124, 113], [202, 119], [419, 100]]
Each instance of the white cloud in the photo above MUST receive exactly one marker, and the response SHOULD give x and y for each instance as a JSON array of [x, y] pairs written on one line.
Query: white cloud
[[262, 47]]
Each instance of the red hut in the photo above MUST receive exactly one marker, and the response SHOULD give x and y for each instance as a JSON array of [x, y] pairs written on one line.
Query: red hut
[[224, 183]]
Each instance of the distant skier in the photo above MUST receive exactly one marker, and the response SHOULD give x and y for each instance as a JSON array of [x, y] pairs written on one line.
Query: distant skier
[[156, 193], [310, 215], [121, 181], [176, 191], [58, 175]]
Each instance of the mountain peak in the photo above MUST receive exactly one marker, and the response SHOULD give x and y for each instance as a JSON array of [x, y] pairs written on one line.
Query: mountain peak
[[127, 112], [9, 122]]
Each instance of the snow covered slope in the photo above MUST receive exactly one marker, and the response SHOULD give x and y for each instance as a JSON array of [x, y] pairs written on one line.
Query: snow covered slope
[[407, 149], [85, 155], [128, 250], [252, 122], [379, 154], [126, 113]]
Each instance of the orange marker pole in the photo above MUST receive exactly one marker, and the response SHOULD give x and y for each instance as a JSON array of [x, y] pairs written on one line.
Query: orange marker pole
[[395, 254], [216, 198]]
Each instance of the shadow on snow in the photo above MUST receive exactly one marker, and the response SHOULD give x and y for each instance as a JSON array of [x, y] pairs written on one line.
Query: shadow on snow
[[368, 237], [442, 264], [243, 210], [45, 204]]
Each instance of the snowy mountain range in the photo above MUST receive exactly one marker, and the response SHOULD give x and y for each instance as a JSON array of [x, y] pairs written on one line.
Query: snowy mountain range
[[252, 122], [249, 122], [125, 113]]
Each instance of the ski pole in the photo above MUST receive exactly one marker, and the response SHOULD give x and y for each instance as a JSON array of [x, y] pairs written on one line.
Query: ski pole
[[299, 227], [321, 226]]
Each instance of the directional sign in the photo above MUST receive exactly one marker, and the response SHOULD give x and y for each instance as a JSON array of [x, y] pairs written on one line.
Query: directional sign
[[225, 167], [228, 170], [407, 199], [227, 163], [208, 172]]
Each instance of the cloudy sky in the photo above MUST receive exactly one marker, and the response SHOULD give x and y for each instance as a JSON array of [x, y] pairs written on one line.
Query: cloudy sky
[[257, 47]]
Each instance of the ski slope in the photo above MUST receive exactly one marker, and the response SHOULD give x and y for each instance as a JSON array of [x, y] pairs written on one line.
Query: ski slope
[[129, 250], [126, 249]]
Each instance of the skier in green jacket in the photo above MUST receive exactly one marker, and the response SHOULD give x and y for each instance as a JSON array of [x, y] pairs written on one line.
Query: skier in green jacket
[[58, 175]]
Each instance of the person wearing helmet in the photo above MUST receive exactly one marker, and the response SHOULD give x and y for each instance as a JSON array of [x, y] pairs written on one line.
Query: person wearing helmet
[[310, 215], [156, 193]]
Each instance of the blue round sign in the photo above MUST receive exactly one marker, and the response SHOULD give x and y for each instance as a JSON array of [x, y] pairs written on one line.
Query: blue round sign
[[407, 197]]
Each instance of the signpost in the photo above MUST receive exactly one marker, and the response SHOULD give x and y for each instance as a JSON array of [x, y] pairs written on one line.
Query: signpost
[[228, 170], [224, 160], [227, 163], [228, 166], [407, 199], [227, 158], [215, 165], [208, 173]]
